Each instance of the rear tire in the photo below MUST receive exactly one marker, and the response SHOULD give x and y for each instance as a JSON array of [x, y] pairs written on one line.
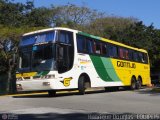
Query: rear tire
[[133, 83], [52, 93], [81, 85], [139, 83]]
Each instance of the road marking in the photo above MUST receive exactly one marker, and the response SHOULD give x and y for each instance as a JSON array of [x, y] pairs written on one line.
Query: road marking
[[23, 94], [28, 94], [43, 93]]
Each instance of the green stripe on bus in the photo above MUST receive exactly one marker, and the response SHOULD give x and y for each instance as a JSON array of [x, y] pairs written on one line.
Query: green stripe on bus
[[100, 68], [88, 35], [110, 69], [104, 68]]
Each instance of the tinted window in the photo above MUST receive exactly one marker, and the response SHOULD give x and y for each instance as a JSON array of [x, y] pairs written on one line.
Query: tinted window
[[50, 36], [89, 45], [80, 43], [97, 46], [145, 58], [104, 49], [38, 38], [66, 51], [62, 38], [121, 54], [43, 52], [140, 57], [65, 37], [130, 54], [112, 51], [127, 54], [135, 56], [124, 53]]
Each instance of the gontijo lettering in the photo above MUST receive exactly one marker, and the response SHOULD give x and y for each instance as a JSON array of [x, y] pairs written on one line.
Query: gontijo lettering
[[126, 64]]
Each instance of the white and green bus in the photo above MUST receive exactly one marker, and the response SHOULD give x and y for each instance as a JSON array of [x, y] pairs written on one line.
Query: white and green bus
[[64, 59]]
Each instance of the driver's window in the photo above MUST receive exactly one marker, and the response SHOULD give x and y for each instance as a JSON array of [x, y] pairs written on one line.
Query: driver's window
[[62, 37], [65, 51], [65, 37]]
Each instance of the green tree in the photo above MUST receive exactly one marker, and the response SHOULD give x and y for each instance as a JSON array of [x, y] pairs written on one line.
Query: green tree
[[39, 17], [72, 16], [7, 57], [11, 14]]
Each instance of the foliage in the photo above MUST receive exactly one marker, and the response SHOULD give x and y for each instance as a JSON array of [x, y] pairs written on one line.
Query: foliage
[[71, 15]]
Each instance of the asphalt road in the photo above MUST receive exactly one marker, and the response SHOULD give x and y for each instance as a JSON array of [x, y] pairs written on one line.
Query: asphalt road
[[78, 107]]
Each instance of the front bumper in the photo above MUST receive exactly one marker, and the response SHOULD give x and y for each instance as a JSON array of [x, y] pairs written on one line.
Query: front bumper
[[43, 84]]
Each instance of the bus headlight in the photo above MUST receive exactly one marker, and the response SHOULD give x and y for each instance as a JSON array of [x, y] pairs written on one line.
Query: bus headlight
[[19, 87]]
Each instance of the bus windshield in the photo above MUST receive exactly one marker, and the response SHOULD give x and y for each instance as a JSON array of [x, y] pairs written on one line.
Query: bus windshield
[[43, 57], [37, 58], [37, 52]]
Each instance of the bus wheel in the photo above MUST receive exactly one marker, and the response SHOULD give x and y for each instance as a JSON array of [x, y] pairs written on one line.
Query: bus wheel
[[133, 83], [81, 85], [139, 83], [52, 93]]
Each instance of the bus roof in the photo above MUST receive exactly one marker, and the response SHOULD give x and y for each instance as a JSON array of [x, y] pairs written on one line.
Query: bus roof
[[85, 34], [49, 29]]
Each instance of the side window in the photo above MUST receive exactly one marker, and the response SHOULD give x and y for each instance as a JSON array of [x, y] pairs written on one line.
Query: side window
[[123, 53], [97, 47], [140, 57], [104, 49], [80, 43], [130, 54], [145, 58], [65, 51], [65, 37], [127, 54], [112, 51], [135, 56], [89, 44]]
